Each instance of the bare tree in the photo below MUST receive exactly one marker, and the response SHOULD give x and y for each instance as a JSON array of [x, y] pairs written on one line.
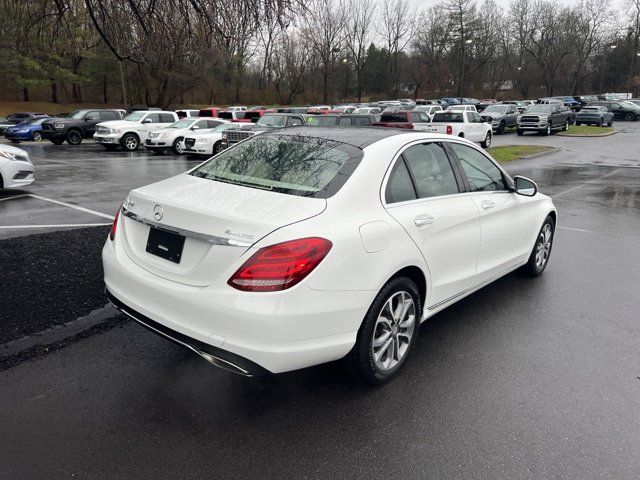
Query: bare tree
[[359, 36], [290, 66], [324, 30], [396, 25]]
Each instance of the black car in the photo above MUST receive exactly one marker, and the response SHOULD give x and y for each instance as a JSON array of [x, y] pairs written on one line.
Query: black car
[[18, 118], [620, 109], [78, 125], [585, 99]]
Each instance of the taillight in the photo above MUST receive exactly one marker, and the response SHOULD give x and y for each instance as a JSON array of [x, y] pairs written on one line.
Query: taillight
[[449, 130], [114, 225], [280, 266]]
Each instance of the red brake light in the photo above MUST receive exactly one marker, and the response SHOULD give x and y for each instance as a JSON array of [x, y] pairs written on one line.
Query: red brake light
[[114, 225], [280, 266], [449, 130]]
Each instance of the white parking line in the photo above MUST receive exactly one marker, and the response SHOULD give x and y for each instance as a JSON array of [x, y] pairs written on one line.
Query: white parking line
[[64, 204], [15, 196], [595, 180], [64, 225], [584, 230]]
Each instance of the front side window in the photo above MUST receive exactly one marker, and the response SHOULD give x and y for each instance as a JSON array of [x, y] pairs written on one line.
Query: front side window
[[291, 164], [272, 121], [135, 116], [431, 170], [344, 121], [104, 116], [482, 173]]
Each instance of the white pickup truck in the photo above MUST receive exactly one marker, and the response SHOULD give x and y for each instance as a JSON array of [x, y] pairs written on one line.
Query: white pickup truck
[[465, 124], [131, 132]]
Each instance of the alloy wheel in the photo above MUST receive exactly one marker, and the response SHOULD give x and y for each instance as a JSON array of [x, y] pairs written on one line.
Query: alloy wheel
[[131, 143], [37, 136], [393, 330], [543, 246]]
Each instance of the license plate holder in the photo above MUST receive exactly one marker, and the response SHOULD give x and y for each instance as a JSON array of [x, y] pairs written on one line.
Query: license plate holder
[[165, 244]]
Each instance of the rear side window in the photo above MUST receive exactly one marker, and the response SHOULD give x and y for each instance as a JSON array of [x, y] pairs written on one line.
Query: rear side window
[[295, 165], [166, 118], [104, 116], [400, 186], [449, 117], [431, 170], [344, 121], [154, 117], [481, 172]]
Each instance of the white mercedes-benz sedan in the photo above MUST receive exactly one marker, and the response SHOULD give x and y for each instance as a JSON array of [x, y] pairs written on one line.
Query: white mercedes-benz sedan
[[302, 246], [16, 168]]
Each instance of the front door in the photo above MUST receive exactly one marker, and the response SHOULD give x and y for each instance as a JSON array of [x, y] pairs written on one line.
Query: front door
[[505, 221]]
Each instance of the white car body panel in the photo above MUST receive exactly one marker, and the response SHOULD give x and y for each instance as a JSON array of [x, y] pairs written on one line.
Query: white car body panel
[[476, 132], [15, 170], [317, 320]]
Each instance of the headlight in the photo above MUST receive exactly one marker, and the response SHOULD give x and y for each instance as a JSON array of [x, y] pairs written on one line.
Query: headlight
[[543, 119], [163, 136], [11, 156], [58, 126], [115, 130], [224, 136]]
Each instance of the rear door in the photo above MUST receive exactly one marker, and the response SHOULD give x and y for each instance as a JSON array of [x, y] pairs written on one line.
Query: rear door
[[422, 193], [505, 217]]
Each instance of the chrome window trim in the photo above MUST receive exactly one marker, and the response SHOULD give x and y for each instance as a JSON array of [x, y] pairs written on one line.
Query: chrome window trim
[[213, 240]]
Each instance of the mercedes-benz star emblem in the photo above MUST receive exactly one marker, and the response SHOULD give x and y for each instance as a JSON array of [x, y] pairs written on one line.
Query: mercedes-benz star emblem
[[158, 213]]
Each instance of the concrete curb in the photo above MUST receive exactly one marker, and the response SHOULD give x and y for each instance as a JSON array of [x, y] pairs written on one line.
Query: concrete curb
[[606, 134], [58, 334]]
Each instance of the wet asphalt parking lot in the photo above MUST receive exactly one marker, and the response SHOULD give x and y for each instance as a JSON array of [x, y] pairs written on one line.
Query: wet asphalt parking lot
[[523, 379]]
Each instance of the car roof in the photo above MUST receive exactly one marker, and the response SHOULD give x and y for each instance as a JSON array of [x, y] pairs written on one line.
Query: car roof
[[357, 136]]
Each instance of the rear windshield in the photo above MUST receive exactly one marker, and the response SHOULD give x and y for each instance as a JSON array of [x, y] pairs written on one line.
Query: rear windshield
[[394, 117], [295, 165], [449, 117]]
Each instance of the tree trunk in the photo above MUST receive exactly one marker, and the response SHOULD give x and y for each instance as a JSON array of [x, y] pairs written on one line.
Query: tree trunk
[[25, 94], [54, 91], [123, 84], [105, 98]]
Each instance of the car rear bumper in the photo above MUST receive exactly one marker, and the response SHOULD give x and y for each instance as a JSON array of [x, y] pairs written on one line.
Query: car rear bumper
[[277, 331]]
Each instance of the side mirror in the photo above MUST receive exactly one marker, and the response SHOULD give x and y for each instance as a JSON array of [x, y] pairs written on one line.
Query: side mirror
[[525, 186], [89, 119], [146, 120], [195, 127]]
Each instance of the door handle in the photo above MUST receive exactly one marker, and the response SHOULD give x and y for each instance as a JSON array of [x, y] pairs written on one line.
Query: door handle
[[487, 204], [423, 220]]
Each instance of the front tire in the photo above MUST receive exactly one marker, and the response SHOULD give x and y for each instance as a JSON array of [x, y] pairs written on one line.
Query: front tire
[[520, 132], [541, 252], [178, 149], [388, 332], [130, 142], [565, 127], [217, 147], [500, 129], [487, 141], [74, 138]]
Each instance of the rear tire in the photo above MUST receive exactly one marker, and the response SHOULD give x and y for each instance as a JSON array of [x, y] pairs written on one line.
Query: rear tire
[[388, 332], [500, 129], [565, 128], [37, 136], [629, 117], [610, 124], [541, 252]]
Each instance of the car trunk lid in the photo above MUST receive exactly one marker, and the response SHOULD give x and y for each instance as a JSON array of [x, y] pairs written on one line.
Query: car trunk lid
[[218, 221]]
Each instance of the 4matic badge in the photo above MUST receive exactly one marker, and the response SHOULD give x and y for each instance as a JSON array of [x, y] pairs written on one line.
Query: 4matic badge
[[239, 235]]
